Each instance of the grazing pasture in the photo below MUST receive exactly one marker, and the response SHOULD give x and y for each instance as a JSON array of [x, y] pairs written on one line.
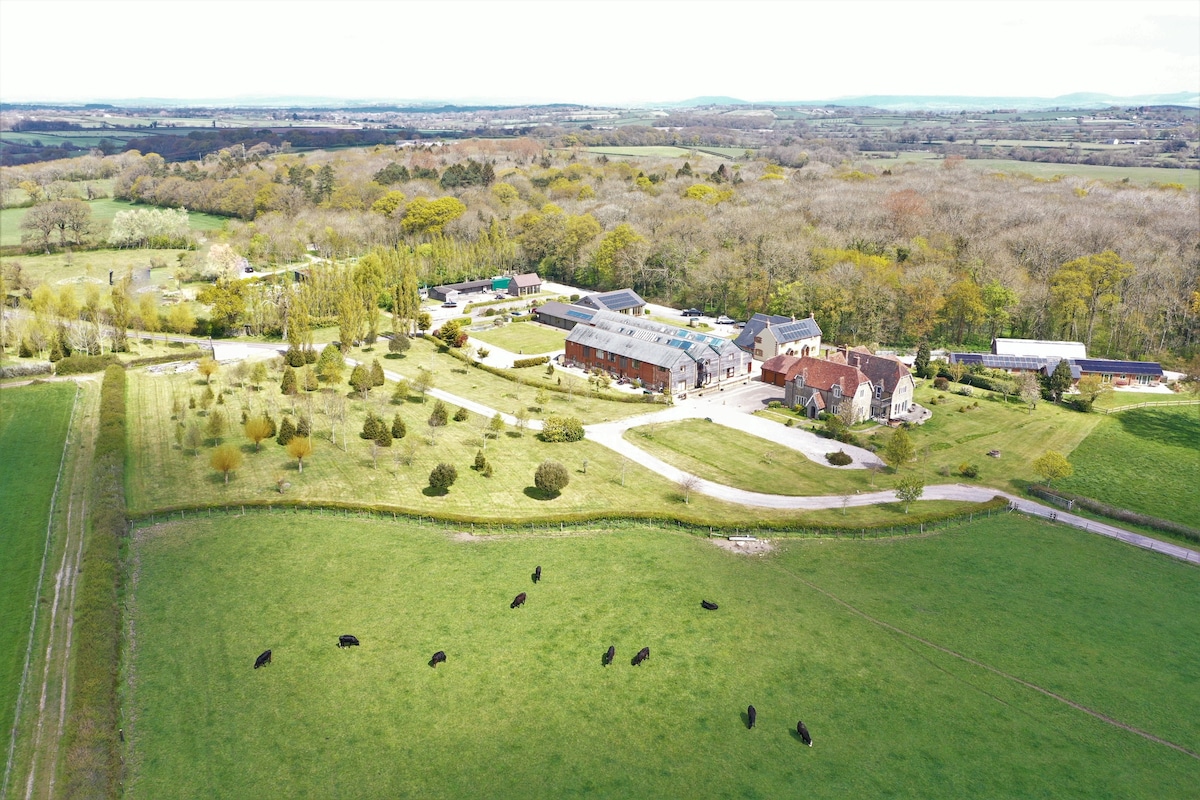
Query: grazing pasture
[[1146, 460], [524, 705], [103, 212], [33, 425]]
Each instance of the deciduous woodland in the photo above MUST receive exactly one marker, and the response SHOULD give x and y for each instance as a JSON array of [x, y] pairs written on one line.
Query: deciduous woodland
[[948, 253]]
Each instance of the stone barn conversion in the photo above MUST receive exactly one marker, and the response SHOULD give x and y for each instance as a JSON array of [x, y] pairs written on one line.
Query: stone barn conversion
[[822, 385]]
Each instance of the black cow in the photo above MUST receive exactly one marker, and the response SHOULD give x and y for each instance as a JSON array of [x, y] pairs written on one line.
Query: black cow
[[608, 657], [438, 658], [537, 573], [708, 605], [751, 716], [346, 640], [641, 656], [263, 660], [519, 600], [803, 731]]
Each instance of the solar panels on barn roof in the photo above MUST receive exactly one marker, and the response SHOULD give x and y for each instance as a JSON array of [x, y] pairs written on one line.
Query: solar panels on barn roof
[[1104, 365]]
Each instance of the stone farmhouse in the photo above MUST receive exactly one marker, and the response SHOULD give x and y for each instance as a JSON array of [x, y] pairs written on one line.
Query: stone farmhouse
[[661, 357], [892, 383], [823, 385], [765, 337]]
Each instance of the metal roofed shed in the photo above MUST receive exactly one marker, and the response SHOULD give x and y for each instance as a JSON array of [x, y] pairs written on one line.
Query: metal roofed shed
[[1038, 348], [624, 301]]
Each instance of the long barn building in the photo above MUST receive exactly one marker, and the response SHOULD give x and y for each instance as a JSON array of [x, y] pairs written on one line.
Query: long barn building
[[662, 357]]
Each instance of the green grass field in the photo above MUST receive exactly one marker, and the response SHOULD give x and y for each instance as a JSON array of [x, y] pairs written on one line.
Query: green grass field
[[748, 462], [528, 338], [523, 707], [103, 212], [33, 425], [1146, 460], [1144, 176]]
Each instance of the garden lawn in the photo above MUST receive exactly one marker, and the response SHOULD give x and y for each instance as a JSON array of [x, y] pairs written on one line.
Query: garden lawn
[[746, 461], [526, 338], [461, 379], [523, 707], [33, 426], [1146, 460]]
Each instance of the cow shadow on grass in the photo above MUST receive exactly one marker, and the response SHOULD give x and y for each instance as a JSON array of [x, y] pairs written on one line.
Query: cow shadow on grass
[[745, 718], [1166, 427]]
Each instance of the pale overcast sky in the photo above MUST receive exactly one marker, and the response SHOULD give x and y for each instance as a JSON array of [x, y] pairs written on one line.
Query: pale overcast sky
[[616, 51]]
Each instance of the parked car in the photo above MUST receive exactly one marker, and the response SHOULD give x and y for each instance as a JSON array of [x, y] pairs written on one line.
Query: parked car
[[693, 312], [724, 320], [248, 268], [449, 304], [501, 296]]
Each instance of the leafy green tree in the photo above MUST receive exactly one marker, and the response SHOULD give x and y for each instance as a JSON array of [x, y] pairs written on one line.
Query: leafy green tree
[[227, 298], [496, 425], [1085, 286], [370, 428], [442, 477], [384, 435], [208, 367], [401, 392], [998, 300], [551, 477], [360, 380], [310, 380], [899, 449], [215, 428], [909, 490], [480, 461], [425, 216], [400, 343], [562, 429], [399, 429], [619, 253], [964, 307], [331, 365], [1030, 389], [386, 206], [460, 415], [376, 373], [438, 418], [1052, 465], [258, 374]]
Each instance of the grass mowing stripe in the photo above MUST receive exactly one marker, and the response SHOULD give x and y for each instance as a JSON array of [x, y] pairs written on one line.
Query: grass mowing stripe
[[19, 450], [901, 632]]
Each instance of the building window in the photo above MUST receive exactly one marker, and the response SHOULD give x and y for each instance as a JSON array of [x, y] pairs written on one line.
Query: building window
[[758, 352], [758, 340], [837, 391], [1106, 377], [878, 392]]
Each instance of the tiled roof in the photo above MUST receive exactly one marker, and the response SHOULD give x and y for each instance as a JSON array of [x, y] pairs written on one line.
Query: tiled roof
[[527, 280], [821, 374], [884, 371], [783, 364]]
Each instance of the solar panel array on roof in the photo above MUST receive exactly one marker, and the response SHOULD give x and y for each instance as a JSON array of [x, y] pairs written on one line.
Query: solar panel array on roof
[[1104, 365]]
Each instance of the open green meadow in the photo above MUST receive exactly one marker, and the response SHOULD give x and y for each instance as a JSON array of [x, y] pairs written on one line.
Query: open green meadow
[[1144, 176], [528, 338], [33, 425], [524, 708], [1146, 460], [103, 212]]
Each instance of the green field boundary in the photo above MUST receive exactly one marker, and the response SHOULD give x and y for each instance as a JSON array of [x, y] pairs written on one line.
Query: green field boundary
[[918, 525]]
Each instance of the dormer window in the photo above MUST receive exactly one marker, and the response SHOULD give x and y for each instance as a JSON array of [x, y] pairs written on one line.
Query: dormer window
[[837, 390]]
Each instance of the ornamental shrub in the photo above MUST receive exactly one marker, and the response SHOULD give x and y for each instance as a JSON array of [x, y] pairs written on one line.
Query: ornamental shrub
[[442, 477], [562, 429], [838, 459], [551, 477]]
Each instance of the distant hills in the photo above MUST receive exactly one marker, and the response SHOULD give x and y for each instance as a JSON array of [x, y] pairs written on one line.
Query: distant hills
[[939, 103]]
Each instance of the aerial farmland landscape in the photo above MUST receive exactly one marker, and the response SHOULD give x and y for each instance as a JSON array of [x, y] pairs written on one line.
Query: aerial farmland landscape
[[737, 420]]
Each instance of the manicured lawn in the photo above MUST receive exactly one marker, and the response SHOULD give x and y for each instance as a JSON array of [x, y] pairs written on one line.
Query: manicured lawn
[[528, 338], [523, 707], [33, 425], [740, 459], [1146, 460]]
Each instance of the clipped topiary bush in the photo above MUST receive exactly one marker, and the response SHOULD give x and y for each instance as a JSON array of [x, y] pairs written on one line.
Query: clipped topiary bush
[[551, 477]]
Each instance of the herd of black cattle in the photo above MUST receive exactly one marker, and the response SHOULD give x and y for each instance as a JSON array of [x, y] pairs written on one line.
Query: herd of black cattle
[[346, 640]]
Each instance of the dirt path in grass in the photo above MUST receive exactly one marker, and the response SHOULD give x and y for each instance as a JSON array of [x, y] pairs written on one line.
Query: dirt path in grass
[[995, 670], [42, 728]]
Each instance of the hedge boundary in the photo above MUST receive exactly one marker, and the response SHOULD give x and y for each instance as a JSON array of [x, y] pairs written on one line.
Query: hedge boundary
[[536, 361], [93, 761], [1119, 514], [552, 387], [575, 519]]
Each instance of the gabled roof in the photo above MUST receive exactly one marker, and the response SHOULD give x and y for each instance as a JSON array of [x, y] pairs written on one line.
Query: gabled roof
[[617, 300], [786, 365], [785, 329], [697, 345], [823, 375], [558, 310], [1098, 366], [652, 352], [885, 371], [526, 281]]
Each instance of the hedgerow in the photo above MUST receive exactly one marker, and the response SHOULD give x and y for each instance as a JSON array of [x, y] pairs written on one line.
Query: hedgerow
[[93, 764], [531, 362], [1119, 514]]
